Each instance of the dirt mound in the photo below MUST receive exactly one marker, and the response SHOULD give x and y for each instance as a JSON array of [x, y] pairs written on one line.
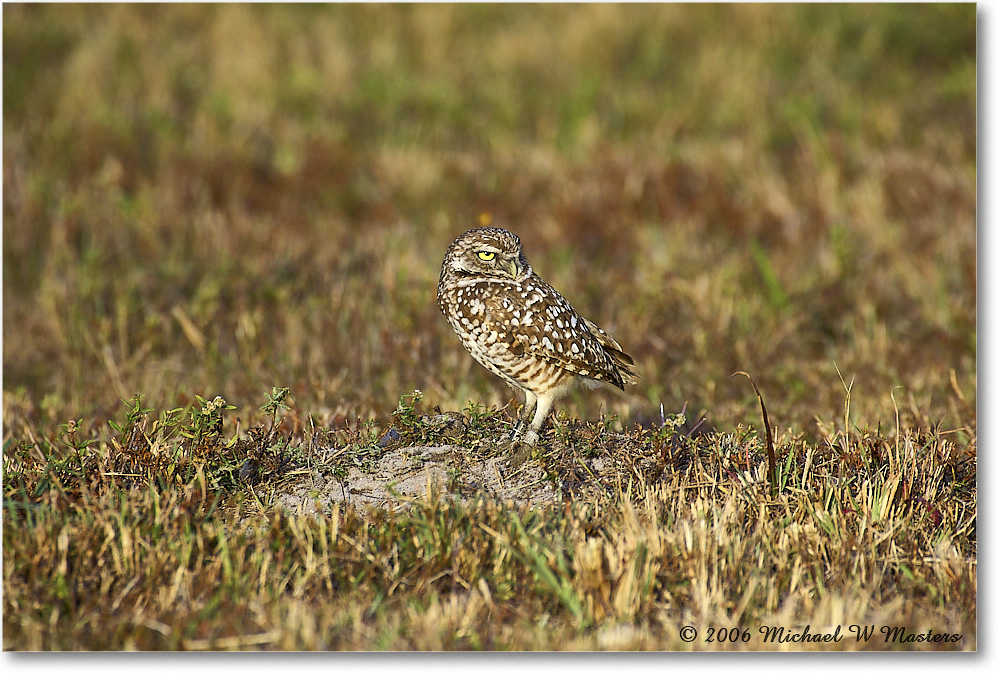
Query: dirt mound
[[413, 472]]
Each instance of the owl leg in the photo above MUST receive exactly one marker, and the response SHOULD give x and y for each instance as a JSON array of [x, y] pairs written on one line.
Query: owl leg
[[530, 401], [541, 411]]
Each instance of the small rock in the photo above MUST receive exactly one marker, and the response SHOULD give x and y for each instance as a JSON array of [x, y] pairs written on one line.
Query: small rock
[[390, 436]]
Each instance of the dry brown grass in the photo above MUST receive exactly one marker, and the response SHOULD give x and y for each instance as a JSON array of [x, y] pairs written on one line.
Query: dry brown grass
[[683, 533], [673, 532], [783, 190]]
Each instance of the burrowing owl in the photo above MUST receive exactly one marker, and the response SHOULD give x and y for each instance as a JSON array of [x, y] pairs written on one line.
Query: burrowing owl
[[522, 329]]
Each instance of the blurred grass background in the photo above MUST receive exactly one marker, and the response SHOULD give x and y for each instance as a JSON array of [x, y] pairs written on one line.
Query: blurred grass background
[[217, 199]]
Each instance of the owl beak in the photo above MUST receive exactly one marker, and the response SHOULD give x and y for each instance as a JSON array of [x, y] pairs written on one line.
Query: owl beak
[[513, 268]]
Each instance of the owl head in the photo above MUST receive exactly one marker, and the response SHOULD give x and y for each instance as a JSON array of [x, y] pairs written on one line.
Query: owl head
[[488, 252]]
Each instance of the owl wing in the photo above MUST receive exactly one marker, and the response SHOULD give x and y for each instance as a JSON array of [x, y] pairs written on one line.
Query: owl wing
[[544, 325]]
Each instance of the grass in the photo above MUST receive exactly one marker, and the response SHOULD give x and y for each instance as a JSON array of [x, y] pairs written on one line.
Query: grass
[[788, 191], [192, 555]]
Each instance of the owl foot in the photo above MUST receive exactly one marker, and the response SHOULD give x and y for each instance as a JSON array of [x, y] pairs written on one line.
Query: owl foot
[[520, 452], [522, 447]]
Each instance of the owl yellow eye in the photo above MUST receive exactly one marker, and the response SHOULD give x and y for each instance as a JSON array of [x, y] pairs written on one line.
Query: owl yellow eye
[[487, 255]]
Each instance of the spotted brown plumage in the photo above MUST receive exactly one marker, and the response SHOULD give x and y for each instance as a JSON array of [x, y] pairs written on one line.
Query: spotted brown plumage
[[520, 328]]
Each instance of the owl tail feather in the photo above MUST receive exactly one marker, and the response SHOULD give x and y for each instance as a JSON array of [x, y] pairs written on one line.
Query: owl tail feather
[[624, 364]]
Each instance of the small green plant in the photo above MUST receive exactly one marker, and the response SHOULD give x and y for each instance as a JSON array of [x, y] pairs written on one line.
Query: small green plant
[[134, 413], [479, 416], [70, 431], [276, 404], [406, 414], [205, 421], [669, 427]]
